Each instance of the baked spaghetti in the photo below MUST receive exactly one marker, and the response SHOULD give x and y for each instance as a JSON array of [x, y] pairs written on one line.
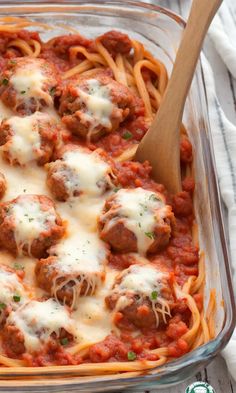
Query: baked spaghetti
[[100, 267]]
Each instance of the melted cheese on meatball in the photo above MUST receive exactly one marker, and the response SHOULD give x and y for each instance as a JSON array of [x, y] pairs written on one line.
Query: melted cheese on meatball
[[83, 258], [28, 82], [30, 221], [142, 279], [88, 173], [141, 209], [98, 104], [38, 320], [25, 141], [147, 282], [10, 287]]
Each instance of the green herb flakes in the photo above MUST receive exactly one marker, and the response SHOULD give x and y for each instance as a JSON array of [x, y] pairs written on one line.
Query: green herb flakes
[[64, 341], [151, 235], [127, 135], [131, 355], [16, 298]]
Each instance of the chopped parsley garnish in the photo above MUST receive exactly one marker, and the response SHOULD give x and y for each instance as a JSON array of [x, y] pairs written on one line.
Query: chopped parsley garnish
[[151, 235], [143, 206], [18, 266], [127, 135], [154, 295], [139, 224], [64, 341], [116, 189], [12, 62], [52, 91], [23, 92], [16, 298], [153, 197], [5, 82], [2, 306], [131, 355], [31, 219]]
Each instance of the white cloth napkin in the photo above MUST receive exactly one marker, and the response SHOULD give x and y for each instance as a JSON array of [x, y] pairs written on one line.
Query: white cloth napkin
[[223, 34], [224, 142]]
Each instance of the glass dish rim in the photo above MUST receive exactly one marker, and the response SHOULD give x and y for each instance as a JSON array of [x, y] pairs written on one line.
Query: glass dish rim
[[215, 345]]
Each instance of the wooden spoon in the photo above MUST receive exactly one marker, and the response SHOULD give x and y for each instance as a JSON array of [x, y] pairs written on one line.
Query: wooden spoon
[[161, 145]]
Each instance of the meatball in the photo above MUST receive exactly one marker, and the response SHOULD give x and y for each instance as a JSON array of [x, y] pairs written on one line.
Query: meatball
[[29, 225], [78, 171], [96, 105], [3, 185], [13, 340], [74, 268], [142, 294], [30, 138], [28, 85], [12, 294], [116, 42], [136, 220], [30, 328], [61, 285]]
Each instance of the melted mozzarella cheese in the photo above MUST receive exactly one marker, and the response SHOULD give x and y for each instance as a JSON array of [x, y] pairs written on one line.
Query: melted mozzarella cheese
[[93, 318], [28, 81], [98, 104], [147, 282], [83, 252], [25, 142], [142, 279], [10, 286], [30, 221], [80, 258], [84, 172], [141, 210], [38, 320]]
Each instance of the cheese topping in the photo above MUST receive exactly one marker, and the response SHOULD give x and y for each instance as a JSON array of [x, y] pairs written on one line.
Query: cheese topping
[[147, 282], [25, 142], [83, 252], [141, 210], [93, 318], [38, 320], [80, 258], [142, 279], [28, 81], [98, 104], [86, 173], [30, 221], [10, 287]]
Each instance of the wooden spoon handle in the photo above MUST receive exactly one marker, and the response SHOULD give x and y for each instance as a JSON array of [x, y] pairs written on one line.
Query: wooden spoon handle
[[161, 143], [201, 15]]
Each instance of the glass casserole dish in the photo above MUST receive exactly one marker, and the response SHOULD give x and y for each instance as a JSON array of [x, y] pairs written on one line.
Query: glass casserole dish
[[160, 31]]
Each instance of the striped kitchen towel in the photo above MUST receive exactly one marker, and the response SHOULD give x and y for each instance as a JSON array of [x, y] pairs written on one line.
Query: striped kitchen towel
[[223, 34]]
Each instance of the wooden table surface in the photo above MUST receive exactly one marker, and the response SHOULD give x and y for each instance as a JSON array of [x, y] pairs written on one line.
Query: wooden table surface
[[216, 373]]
